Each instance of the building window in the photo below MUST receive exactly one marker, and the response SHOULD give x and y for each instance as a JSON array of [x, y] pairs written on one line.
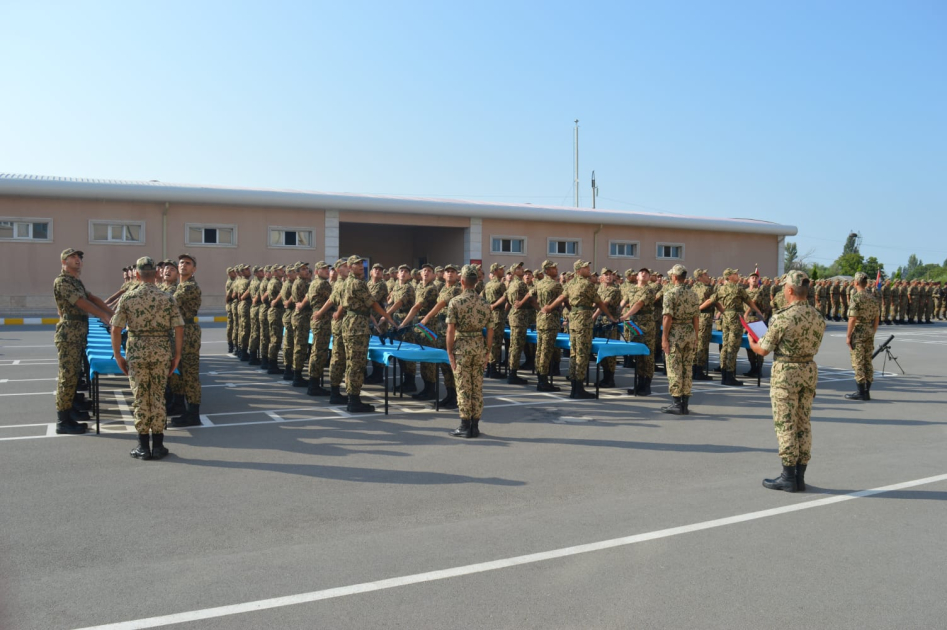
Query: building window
[[210, 235], [297, 238], [23, 229], [507, 245], [622, 249], [673, 251], [117, 232], [563, 247]]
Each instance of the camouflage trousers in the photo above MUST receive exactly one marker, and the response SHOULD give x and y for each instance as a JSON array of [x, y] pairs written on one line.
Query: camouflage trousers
[[912, 309], [188, 382], [837, 307], [289, 338], [702, 354], [321, 333], [517, 345], [148, 381], [274, 320], [70, 341], [244, 318], [792, 388], [732, 337], [337, 364], [499, 327], [469, 356], [545, 349], [580, 347], [264, 316], [861, 359], [441, 343], [609, 363], [428, 370], [903, 308], [301, 321], [645, 362], [254, 328], [356, 347], [230, 321], [682, 342], [928, 309], [409, 368]]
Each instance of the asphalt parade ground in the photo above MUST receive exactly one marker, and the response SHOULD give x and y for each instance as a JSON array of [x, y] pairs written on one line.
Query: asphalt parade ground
[[284, 512]]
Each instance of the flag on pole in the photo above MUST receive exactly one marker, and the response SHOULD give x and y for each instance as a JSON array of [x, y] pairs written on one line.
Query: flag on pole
[[878, 281], [757, 271]]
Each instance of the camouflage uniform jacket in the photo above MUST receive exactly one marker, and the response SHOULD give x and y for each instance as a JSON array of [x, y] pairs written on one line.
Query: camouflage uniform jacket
[[274, 291], [757, 296], [68, 290], [357, 301], [611, 295], [188, 298], [150, 315], [794, 334], [427, 296], [645, 295], [865, 308], [286, 293], [446, 294], [514, 293], [300, 288], [255, 288], [379, 291], [469, 313], [682, 304], [492, 292], [318, 292], [546, 292], [404, 293], [582, 296], [703, 293], [732, 297]]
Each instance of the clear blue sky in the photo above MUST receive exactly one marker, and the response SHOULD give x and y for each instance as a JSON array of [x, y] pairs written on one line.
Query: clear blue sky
[[831, 116]]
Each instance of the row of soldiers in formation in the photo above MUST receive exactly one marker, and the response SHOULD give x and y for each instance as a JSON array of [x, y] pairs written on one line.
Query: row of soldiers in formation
[[901, 301]]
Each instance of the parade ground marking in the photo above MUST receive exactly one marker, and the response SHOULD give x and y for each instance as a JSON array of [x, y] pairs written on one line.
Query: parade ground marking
[[493, 565]]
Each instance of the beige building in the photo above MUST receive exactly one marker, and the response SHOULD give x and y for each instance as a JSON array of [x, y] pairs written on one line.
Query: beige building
[[116, 222]]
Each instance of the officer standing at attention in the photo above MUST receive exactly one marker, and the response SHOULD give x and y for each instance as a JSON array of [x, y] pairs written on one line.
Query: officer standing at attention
[[610, 294], [640, 299], [517, 294], [379, 290], [731, 300], [254, 289], [582, 296], [150, 314], [301, 322], [187, 296], [758, 297], [402, 299], [74, 304], [317, 295], [703, 290], [548, 325], [274, 319], [357, 304], [264, 315], [860, 337], [680, 322], [794, 336], [339, 357], [494, 292], [242, 291], [467, 316], [449, 291], [425, 297]]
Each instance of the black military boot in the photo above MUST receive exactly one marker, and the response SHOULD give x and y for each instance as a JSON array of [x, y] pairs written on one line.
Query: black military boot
[[730, 379], [229, 348], [79, 403], [676, 408], [497, 372], [719, 369], [628, 363], [545, 385], [785, 481], [377, 376], [158, 451], [244, 354], [608, 379], [143, 450], [578, 391], [475, 428], [315, 389], [355, 405], [529, 364], [288, 373], [801, 477], [190, 418], [513, 379], [254, 358], [336, 397], [177, 406], [488, 373], [554, 369], [859, 395], [67, 426], [450, 400], [298, 380], [867, 391], [463, 430], [698, 374], [644, 385], [265, 362], [427, 393], [686, 400], [274, 368], [407, 385]]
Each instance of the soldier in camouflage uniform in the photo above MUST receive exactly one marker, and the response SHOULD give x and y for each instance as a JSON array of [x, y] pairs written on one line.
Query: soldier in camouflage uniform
[[449, 291], [425, 297], [794, 336], [494, 292], [886, 299], [254, 289], [681, 323], [582, 297], [357, 305], [274, 319], [402, 299], [74, 304], [467, 316], [317, 295], [339, 355], [187, 296], [517, 294], [862, 324], [835, 295], [150, 315], [939, 301], [241, 291], [264, 315], [703, 290], [548, 325], [731, 299], [903, 301], [228, 306], [301, 322], [759, 298], [640, 300], [289, 310], [914, 299], [379, 290], [610, 294]]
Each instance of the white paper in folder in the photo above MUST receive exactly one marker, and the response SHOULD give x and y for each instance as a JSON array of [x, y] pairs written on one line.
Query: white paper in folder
[[758, 328]]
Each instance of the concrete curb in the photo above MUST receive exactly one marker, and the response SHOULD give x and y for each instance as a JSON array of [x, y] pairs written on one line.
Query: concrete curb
[[34, 321]]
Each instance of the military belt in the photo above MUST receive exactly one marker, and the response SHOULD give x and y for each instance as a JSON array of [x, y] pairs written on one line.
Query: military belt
[[75, 318], [468, 334], [134, 335]]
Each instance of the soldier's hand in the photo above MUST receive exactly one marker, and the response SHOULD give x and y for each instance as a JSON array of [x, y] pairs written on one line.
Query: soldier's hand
[[174, 365], [453, 362], [122, 364], [666, 346], [337, 315]]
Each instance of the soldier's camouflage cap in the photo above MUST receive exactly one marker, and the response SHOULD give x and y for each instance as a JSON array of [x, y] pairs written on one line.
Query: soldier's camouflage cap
[[378, 266], [550, 263], [170, 261], [145, 263], [469, 272], [439, 269], [645, 270], [160, 263], [496, 266], [354, 259], [579, 264], [605, 270], [424, 266], [677, 270], [449, 267], [341, 262], [699, 272], [764, 278], [323, 265], [519, 264], [405, 267], [861, 275], [229, 270], [630, 273], [392, 270], [478, 266], [66, 253], [796, 278], [188, 256], [729, 271]]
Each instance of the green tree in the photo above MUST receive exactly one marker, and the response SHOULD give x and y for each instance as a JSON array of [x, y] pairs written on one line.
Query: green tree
[[871, 267], [913, 263], [851, 244], [850, 264], [814, 272], [791, 255]]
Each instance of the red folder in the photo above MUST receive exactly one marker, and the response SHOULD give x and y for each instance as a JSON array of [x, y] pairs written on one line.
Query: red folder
[[749, 331]]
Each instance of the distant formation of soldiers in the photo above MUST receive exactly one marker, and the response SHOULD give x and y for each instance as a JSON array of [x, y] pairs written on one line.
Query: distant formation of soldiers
[[900, 301]]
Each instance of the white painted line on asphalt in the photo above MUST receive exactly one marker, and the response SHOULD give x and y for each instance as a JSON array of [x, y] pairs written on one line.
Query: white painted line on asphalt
[[15, 346], [205, 421], [17, 426], [493, 565], [17, 362], [275, 416], [24, 380], [127, 417], [51, 429], [4, 380], [29, 394]]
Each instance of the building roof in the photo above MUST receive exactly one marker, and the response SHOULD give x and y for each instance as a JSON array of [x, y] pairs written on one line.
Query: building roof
[[162, 192]]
